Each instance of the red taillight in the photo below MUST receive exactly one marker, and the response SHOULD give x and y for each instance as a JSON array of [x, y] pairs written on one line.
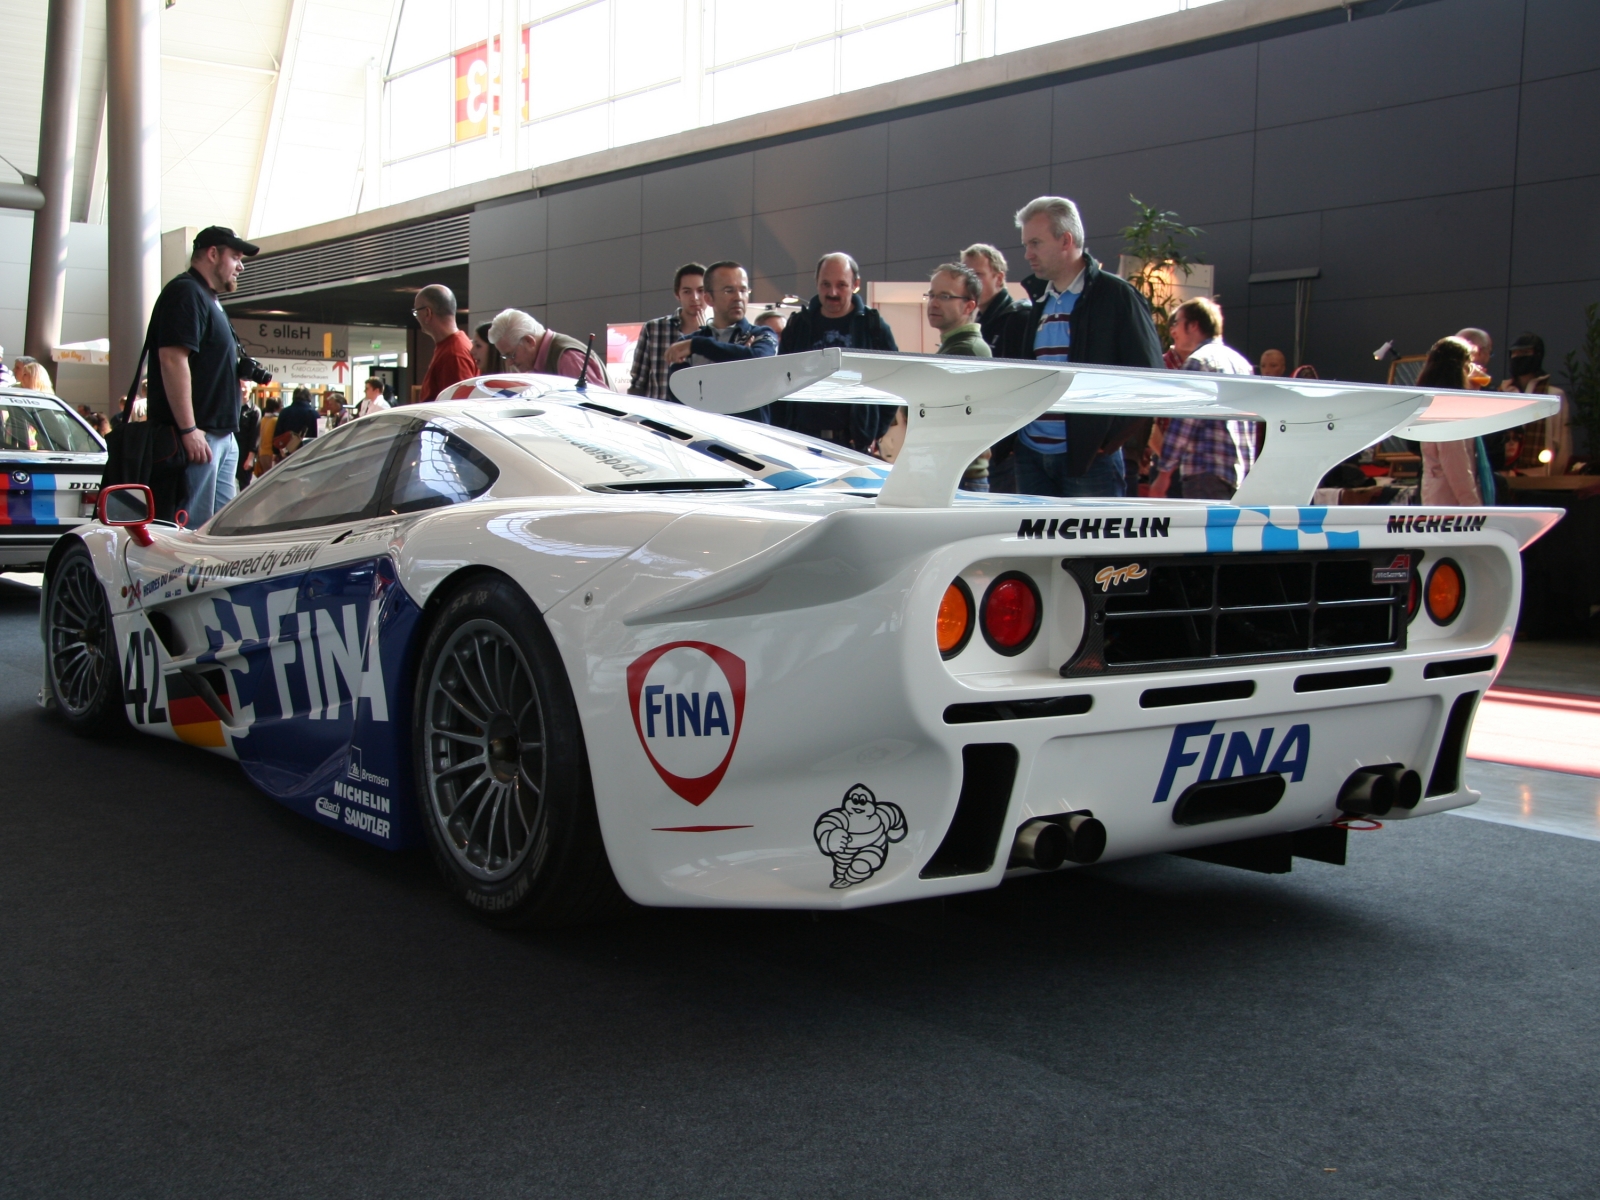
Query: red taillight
[[1413, 594], [1011, 613]]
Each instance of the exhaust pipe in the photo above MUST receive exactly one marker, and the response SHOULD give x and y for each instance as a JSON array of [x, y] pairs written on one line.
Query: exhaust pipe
[[1044, 843], [1376, 791]]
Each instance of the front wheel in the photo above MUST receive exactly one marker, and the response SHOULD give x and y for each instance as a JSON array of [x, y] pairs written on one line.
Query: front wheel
[[80, 653], [502, 773]]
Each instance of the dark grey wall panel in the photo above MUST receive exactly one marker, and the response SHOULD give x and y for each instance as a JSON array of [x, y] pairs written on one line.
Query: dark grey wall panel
[[946, 218], [1206, 96], [607, 268], [834, 166], [1439, 244], [580, 318], [708, 191], [1226, 246], [1423, 53], [592, 214], [1344, 333], [1203, 181], [664, 252], [1455, 145], [789, 243], [516, 281], [1561, 36], [1559, 131], [1286, 243], [1008, 134], [1555, 312], [516, 228], [1557, 238]]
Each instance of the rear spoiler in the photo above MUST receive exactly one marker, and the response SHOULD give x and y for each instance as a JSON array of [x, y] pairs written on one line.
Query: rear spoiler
[[959, 407]]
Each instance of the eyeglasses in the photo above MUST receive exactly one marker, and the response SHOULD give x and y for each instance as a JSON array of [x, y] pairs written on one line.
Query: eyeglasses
[[734, 291], [423, 309], [944, 297]]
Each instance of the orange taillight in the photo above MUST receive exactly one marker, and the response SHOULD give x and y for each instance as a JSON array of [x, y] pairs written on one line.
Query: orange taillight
[[955, 619], [1446, 592]]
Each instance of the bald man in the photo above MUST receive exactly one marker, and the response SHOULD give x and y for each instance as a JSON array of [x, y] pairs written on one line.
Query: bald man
[[837, 316], [435, 311]]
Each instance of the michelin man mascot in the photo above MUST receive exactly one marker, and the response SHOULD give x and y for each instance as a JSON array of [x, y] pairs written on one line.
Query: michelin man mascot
[[856, 835]]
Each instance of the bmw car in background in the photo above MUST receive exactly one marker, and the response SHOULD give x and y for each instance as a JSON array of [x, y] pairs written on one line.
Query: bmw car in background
[[50, 467], [585, 645]]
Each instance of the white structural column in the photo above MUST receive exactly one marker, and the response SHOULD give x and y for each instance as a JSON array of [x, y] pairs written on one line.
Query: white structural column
[[58, 136], [133, 207]]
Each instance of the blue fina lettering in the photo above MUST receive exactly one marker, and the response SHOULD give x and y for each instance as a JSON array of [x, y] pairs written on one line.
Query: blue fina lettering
[[1242, 756], [682, 714], [689, 712], [652, 710]]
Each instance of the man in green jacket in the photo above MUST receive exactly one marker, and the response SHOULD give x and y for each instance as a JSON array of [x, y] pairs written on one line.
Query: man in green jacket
[[953, 293]]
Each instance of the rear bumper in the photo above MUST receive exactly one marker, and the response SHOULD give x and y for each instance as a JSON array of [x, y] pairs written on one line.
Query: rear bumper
[[18, 550]]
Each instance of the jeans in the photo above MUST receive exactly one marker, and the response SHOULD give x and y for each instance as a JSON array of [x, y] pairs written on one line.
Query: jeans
[[1204, 487], [1046, 475], [208, 486]]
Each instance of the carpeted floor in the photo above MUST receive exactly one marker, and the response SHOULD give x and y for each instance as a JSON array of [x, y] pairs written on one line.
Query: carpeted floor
[[202, 995]]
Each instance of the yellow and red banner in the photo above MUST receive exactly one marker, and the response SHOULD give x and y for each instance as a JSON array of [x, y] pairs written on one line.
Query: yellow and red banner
[[477, 90]]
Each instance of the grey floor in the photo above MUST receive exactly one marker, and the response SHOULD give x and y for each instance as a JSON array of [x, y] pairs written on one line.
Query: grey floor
[[202, 995]]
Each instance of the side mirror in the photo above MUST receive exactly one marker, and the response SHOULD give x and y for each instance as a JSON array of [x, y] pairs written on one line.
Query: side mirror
[[128, 505]]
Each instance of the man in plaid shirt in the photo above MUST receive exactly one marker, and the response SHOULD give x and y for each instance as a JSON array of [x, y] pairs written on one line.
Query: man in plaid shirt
[[650, 355], [1211, 457]]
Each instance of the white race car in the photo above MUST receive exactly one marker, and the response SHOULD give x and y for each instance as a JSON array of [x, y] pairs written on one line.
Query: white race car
[[50, 467], [578, 641]]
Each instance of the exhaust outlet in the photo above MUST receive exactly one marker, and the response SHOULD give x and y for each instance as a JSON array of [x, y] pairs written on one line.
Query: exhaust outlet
[[1044, 843], [1377, 791]]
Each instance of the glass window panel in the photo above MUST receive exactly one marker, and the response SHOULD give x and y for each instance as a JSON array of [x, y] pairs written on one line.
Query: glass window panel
[[567, 59], [420, 176], [773, 82], [471, 23], [740, 28], [859, 12], [649, 43], [532, 10], [569, 136], [421, 111], [1022, 23], [651, 114], [29, 424], [437, 469], [334, 478], [898, 49], [423, 33]]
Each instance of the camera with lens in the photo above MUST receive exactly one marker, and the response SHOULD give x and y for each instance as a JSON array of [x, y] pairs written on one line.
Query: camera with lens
[[252, 370]]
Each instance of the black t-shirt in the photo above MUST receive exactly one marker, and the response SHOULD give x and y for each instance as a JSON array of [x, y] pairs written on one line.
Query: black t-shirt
[[187, 314]]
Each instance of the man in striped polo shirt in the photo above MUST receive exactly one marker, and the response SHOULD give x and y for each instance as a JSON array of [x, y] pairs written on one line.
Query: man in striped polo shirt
[[1085, 315]]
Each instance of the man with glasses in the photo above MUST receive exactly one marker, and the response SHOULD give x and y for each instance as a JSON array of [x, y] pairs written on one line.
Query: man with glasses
[[952, 296], [728, 336], [837, 316], [434, 310]]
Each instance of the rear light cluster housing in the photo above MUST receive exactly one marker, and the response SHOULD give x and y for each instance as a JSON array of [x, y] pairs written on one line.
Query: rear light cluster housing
[[1009, 615]]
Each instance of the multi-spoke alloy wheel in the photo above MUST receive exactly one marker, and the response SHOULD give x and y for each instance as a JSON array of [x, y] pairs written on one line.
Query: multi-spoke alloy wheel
[[79, 648], [501, 769], [486, 751]]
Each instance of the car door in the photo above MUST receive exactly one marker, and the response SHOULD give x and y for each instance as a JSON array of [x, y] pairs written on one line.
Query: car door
[[259, 638]]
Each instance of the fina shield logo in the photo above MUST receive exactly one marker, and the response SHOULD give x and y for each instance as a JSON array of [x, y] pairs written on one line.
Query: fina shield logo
[[688, 708]]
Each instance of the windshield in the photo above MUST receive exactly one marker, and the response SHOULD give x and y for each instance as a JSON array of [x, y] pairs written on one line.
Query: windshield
[[42, 425]]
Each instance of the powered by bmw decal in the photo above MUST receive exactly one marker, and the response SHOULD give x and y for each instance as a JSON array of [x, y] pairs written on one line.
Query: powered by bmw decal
[[688, 708]]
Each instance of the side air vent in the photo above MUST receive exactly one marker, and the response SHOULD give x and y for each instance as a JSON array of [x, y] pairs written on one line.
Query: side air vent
[[1458, 666], [443, 242], [1199, 693], [1017, 710], [971, 844], [1330, 681], [1446, 777]]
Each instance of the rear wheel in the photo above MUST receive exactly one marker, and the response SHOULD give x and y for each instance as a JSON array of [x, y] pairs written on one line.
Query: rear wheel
[[502, 773], [80, 646]]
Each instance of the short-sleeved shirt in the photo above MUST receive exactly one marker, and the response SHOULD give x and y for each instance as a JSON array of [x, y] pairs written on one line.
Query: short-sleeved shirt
[[1053, 343], [452, 362], [187, 314]]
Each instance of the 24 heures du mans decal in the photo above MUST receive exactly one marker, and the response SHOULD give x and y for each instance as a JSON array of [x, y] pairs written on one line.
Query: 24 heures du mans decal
[[688, 708]]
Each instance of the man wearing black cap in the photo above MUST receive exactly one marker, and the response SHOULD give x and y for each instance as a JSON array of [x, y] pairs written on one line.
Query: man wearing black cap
[[196, 388]]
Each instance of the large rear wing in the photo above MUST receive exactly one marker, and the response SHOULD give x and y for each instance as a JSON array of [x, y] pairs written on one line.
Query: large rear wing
[[959, 407]]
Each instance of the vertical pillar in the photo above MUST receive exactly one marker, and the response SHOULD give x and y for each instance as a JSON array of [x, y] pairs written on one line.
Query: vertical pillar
[[133, 177], [58, 138]]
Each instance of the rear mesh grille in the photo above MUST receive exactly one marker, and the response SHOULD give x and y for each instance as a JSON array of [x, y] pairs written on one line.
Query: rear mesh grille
[[1192, 612]]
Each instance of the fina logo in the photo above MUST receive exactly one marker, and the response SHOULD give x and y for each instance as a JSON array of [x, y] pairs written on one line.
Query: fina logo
[[688, 708]]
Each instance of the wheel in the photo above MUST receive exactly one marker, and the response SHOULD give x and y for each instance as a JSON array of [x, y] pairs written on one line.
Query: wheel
[[80, 647], [502, 773]]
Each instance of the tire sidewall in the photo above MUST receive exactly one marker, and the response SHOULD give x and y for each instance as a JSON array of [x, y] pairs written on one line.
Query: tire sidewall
[[568, 806], [105, 712]]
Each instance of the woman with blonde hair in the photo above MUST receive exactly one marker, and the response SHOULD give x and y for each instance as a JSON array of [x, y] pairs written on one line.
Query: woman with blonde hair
[[31, 374]]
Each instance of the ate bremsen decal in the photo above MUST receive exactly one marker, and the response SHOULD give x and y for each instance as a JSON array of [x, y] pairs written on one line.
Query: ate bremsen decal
[[856, 835], [688, 708]]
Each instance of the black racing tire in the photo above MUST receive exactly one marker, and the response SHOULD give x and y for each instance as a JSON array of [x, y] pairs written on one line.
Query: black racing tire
[[80, 647], [502, 773]]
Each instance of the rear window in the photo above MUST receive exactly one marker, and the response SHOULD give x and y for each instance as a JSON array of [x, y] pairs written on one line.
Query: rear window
[[43, 426], [596, 451]]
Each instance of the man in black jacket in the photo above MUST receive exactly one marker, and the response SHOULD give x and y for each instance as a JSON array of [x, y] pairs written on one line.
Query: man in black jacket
[[836, 316], [1084, 315], [995, 305]]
